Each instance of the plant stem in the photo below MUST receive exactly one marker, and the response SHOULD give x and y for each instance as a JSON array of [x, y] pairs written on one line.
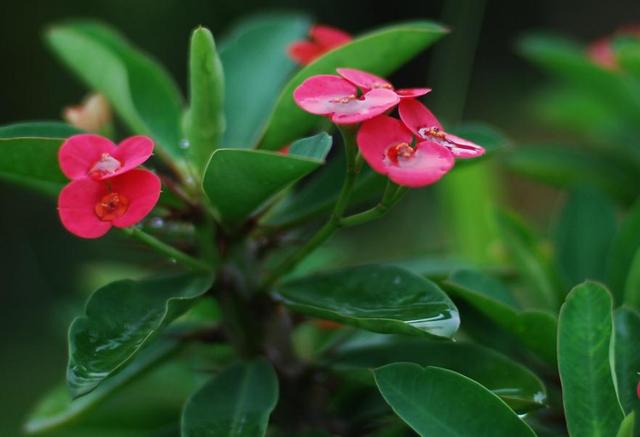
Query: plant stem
[[392, 194], [333, 223], [167, 250]]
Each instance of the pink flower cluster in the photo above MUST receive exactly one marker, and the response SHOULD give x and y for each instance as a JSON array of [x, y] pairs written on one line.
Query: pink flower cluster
[[412, 151], [321, 40], [106, 189]]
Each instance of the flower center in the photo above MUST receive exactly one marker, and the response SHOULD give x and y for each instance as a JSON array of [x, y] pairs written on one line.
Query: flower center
[[106, 165], [111, 206], [400, 152], [344, 99], [433, 132]]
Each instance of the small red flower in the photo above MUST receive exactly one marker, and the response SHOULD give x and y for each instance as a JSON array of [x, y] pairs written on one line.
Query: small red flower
[[338, 99], [426, 126], [386, 144], [96, 157], [322, 40], [367, 81], [601, 50]]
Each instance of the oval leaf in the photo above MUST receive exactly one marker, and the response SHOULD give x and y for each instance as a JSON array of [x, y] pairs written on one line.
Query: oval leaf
[[46, 129], [383, 299], [237, 402], [626, 357], [585, 330], [424, 399], [121, 318]]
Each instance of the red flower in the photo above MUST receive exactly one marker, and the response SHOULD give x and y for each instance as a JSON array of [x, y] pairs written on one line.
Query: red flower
[[601, 51], [338, 99], [367, 81], [386, 145], [426, 126], [106, 189], [323, 39], [92, 156]]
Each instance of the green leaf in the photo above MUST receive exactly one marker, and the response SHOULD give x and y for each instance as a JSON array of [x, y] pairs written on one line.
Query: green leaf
[[631, 290], [621, 266], [535, 329], [627, 51], [585, 330], [30, 129], [121, 319], [237, 402], [32, 162], [238, 182], [626, 357], [561, 167], [514, 383], [58, 408], [382, 299], [627, 425], [140, 90], [380, 52], [440, 402], [256, 67], [586, 227], [315, 147], [204, 124]]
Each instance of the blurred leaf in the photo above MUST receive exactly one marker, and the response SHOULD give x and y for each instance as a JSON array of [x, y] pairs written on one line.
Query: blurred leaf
[[535, 329], [631, 290], [514, 383], [423, 398], [47, 129], [585, 330], [626, 357], [32, 162], [379, 52], [315, 147], [484, 135], [627, 50], [58, 408], [586, 227], [623, 250], [433, 267], [561, 167], [526, 255], [121, 318], [140, 90], [256, 67], [204, 123], [236, 402], [383, 299], [627, 425], [238, 182]]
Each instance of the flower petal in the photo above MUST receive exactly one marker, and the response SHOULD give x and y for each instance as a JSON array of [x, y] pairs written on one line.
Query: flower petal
[[430, 162], [142, 189], [370, 105], [319, 94], [329, 37], [76, 208], [376, 136], [132, 152], [412, 93], [461, 148], [304, 52], [364, 80], [416, 116], [80, 152]]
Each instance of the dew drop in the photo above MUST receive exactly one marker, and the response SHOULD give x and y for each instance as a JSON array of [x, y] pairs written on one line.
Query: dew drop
[[156, 222], [184, 144]]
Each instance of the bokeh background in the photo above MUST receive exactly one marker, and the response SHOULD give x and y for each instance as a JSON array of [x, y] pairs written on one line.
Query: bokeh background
[[45, 273]]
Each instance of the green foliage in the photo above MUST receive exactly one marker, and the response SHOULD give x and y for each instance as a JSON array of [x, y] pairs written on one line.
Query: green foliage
[[46, 129], [626, 360]]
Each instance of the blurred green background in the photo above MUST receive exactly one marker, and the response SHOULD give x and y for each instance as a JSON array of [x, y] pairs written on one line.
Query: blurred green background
[[45, 272]]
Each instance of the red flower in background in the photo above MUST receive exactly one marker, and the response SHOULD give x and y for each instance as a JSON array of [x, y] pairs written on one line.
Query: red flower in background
[[601, 50], [322, 39]]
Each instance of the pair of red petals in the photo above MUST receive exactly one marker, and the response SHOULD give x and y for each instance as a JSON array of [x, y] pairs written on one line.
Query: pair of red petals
[[386, 144], [106, 189], [337, 96], [321, 40]]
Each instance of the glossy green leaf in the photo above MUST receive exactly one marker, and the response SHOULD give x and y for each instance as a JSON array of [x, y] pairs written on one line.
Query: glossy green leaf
[[380, 52], [622, 273], [535, 329], [32, 162], [121, 318], [315, 147], [140, 90], [256, 67], [536, 270], [204, 123], [382, 299], [58, 408], [440, 402], [585, 330], [561, 167], [236, 402], [627, 426], [586, 227], [238, 182], [514, 383], [46, 129], [626, 357]]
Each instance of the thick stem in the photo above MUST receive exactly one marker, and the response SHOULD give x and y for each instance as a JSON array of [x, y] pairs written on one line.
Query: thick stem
[[392, 194]]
